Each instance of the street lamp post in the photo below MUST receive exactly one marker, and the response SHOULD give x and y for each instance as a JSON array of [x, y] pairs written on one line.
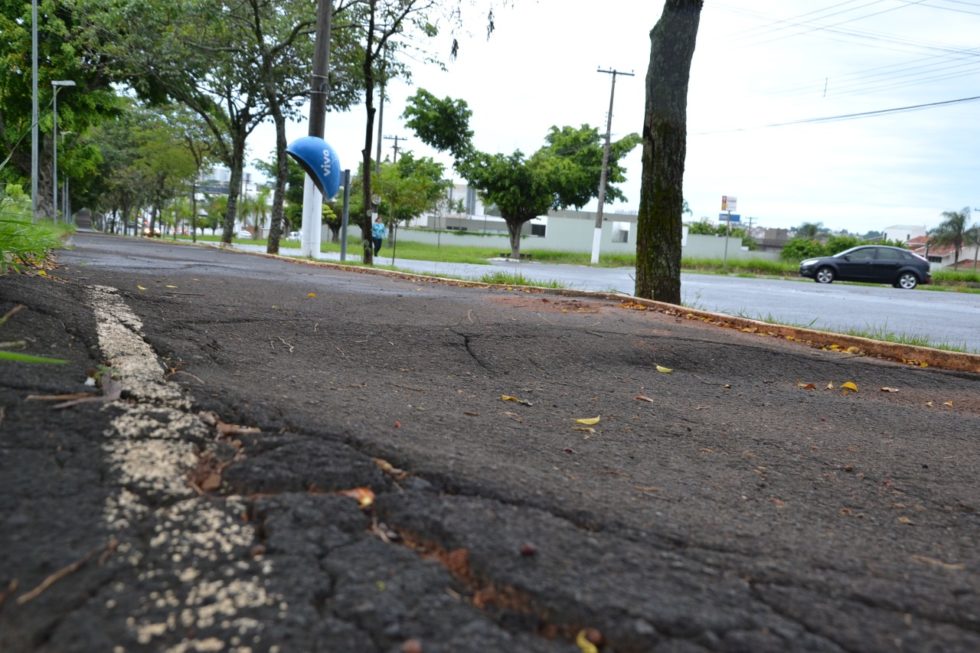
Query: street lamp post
[[57, 84]]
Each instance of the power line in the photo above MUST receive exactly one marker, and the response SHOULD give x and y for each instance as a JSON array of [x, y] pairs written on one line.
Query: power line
[[849, 116]]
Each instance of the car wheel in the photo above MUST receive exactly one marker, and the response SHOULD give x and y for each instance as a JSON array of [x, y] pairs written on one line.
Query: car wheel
[[824, 275], [907, 280]]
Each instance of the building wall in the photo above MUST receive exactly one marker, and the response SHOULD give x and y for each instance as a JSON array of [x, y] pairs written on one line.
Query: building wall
[[575, 235]]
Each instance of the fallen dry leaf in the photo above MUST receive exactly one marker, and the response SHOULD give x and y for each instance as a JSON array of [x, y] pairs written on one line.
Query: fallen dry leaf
[[948, 404], [905, 520], [887, 389], [363, 495], [140, 287], [412, 646], [585, 429], [224, 429], [588, 421], [830, 386], [849, 385], [516, 400], [582, 641], [390, 470], [643, 398], [311, 295], [926, 560], [929, 404], [664, 370], [806, 386]]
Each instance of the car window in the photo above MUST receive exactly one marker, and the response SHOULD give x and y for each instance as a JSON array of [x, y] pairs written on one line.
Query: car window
[[889, 255], [865, 254]]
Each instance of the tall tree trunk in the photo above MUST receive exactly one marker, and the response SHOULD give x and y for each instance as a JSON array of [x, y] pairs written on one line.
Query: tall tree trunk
[[282, 176], [368, 70], [514, 231], [237, 164], [659, 228]]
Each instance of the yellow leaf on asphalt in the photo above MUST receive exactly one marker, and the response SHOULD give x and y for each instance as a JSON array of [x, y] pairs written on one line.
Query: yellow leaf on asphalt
[[853, 350], [140, 287], [588, 421], [516, 400], [363, 495], [849, 385], [311, 295], [170, 286], [42, 273], [664, 370], [582, 641]]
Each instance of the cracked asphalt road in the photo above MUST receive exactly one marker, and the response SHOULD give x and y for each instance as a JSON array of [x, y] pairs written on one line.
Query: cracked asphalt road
[[721, 507]]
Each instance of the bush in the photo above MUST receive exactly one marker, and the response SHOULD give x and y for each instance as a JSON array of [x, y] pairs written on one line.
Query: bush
[[797, 249], [23, 241], [836, 244]]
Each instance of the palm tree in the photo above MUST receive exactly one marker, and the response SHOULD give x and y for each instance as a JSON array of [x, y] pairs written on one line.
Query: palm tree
[[952, 231], [260, 208], [973, 238]]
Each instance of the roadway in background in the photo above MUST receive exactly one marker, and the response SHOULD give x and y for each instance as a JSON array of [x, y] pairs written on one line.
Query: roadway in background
[[941, 318]]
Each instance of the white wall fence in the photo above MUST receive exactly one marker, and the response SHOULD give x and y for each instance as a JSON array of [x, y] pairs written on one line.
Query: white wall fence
[[575, 235]]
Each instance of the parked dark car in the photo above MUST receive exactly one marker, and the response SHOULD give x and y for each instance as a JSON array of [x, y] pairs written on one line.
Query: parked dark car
[[871, 263]]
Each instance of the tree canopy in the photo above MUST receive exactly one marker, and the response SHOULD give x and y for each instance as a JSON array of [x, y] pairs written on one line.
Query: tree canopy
[[564, 172]]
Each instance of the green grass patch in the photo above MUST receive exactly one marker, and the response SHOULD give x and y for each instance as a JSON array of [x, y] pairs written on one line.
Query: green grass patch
[[508, 279], [956, 277], [880, 333], [23, 241]]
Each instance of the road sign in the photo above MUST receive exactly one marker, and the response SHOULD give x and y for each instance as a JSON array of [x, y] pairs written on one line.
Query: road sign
[[728, 202], [729, 217]]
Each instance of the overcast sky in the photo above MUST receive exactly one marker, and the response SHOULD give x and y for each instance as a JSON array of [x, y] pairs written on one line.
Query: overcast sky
[[757, 64]]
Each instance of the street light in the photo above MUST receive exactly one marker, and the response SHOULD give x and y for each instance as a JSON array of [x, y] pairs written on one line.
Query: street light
[[57, 84]]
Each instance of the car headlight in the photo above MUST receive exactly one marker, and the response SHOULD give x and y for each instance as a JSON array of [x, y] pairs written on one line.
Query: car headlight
[[807, 262]]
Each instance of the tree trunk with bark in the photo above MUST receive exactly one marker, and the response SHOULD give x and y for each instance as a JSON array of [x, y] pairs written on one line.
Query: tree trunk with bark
[[282, 177], [659, 227]]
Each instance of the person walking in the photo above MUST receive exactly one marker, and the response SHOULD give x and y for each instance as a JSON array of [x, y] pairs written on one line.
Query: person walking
[[378, 233]]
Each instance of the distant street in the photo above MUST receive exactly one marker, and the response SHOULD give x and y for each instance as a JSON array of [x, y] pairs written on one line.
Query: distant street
[[940, 317]]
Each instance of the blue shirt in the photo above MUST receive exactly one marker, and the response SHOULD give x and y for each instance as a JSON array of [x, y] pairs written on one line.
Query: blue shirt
[[378, 230]]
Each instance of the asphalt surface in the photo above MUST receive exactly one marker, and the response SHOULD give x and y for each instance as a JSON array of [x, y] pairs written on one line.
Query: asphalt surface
[[940, 318], [215, 496]]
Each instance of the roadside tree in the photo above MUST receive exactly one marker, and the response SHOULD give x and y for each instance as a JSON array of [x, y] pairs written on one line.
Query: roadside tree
[[952, 231], [659, 223], [565, 172]]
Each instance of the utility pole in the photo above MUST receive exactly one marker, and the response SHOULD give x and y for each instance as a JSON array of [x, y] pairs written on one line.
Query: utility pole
[[319, 90], [394, 223], [34, 111], [381, 109], [603, 177]]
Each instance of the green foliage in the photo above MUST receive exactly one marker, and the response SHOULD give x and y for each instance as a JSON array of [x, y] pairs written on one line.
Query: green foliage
[[809, 230], [442, 124], [509, 279], [837, 244], [565, 172], [797, 249], [23, 242], [953, 230]]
